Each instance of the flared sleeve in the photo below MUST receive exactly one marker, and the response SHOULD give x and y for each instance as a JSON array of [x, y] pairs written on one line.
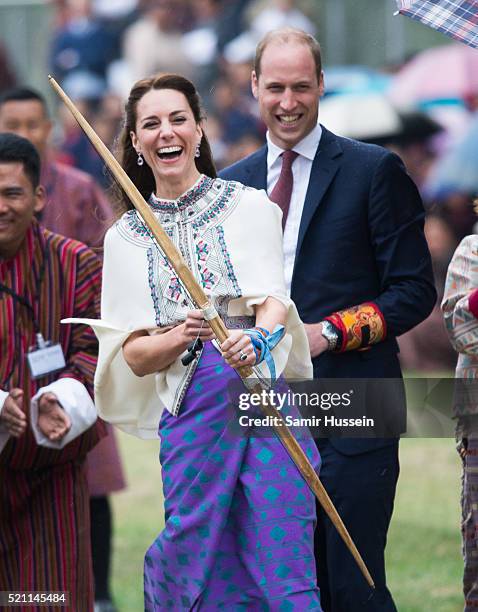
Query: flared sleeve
[[122, 398]]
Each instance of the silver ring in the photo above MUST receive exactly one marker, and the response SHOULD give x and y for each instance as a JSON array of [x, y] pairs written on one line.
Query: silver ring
[[242, 356]]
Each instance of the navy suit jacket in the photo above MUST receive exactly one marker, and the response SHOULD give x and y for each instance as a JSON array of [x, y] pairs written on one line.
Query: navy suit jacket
[[360, 239]]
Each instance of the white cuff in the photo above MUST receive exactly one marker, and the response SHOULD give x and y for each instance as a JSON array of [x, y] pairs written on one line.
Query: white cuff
[[3, 397], [4, 435], [77, 404]]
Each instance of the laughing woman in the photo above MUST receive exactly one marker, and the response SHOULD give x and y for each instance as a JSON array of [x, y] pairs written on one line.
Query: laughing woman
[[239, 519]]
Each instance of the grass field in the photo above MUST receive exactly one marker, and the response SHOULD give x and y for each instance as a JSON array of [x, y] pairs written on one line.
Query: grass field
[[424, 557]]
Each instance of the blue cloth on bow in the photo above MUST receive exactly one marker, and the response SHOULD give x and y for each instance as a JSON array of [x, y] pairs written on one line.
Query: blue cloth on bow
[[263, 345]]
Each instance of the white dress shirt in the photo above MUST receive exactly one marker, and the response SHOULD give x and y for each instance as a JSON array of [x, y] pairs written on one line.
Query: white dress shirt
[[301, 168]]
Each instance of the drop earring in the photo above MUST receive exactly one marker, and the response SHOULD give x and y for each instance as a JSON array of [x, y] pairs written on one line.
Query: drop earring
[[140, 160], [198, 152]]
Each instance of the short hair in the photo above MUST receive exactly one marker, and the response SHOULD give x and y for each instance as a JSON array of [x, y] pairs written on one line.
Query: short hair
[[285, 35], [14, 149], [23, 94]]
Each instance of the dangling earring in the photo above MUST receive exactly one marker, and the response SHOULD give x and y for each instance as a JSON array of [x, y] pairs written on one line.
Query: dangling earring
[[198, 152], [140, 160]]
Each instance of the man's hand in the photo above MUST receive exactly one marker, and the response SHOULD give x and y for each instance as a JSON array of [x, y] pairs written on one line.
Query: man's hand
[[12, 415], [53, 421], [317, 343]]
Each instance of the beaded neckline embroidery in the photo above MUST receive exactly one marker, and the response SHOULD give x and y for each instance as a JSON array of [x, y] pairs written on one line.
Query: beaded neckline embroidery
[[194, 224], [190, 197], [206, 203]]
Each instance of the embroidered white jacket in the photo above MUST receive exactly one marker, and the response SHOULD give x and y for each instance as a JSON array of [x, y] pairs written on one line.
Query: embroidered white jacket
[[231, 238]]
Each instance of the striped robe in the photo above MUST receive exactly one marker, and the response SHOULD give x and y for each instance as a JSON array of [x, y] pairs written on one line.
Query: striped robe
[[44, 502]]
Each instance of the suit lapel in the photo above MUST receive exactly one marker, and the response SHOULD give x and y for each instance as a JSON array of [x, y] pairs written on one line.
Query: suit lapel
[[257, 171], [324, 168]]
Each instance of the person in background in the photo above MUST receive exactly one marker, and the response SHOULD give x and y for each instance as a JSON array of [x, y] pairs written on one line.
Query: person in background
[[81, 49], [277, 14], [153, 43], [78, 208], [76, 149], [47, 417], [235, 119], [75, 206], [460, 310], [358, 268]]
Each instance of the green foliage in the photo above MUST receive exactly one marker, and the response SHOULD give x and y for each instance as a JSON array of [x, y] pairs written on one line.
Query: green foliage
[[424, 563]]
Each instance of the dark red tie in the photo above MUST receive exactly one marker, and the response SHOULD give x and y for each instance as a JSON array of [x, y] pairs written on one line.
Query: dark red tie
[[283, 188]]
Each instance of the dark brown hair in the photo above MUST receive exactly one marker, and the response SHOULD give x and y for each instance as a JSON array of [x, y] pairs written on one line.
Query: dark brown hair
[[285, 35], [142, 176], [16, 149], [23, 94]]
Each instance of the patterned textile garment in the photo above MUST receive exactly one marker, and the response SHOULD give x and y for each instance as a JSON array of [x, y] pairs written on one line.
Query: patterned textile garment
[[239, 517], [44, 524], [87, 213], [460, 308], [468, 449]]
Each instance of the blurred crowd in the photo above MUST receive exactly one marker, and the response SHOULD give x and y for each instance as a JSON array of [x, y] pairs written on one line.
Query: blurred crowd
[[426, 109]]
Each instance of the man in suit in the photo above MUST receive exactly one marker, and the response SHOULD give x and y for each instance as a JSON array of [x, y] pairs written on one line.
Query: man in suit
[[359, 270]]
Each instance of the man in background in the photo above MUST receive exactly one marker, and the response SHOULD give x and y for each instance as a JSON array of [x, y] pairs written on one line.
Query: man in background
[[75, 206]]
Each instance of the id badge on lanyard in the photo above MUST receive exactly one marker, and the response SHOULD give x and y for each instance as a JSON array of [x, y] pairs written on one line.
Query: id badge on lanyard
[[45, 358]]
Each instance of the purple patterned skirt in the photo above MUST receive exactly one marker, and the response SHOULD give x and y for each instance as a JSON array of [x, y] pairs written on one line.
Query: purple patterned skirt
[[239, 518]]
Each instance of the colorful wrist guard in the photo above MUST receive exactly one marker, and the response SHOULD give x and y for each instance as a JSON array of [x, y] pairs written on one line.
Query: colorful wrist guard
[[360, 326], [263, 345]]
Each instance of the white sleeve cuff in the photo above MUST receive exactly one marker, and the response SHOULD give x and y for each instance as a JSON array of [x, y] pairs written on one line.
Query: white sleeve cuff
[[3, 397], [77, 404], [3, 433]]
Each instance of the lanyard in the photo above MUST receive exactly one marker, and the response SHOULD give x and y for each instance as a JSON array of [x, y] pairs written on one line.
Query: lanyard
[[24, 302], [20, 299]]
